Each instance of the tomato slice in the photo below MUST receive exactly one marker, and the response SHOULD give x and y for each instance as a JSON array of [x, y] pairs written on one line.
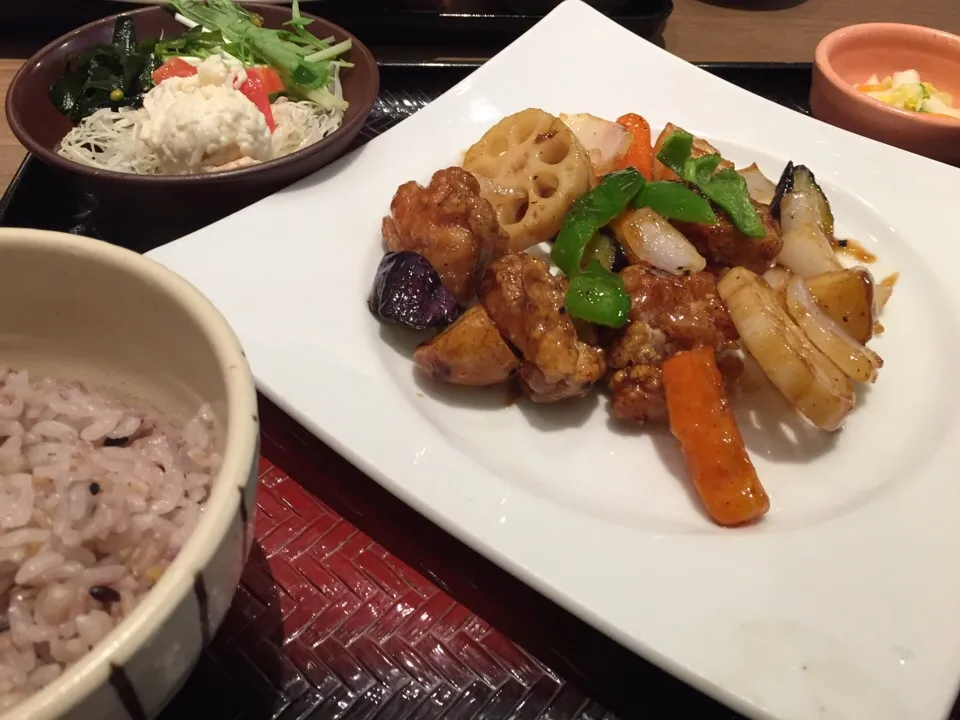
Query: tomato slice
[[269, 78], [253, 89], [174, 67]]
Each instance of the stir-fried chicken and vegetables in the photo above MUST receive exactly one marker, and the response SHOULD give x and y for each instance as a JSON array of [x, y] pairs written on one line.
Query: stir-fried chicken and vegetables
[[670, 268]]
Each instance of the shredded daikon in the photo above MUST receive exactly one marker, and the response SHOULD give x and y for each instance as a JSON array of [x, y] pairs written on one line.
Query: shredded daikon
[[301, 123], [109, 139]]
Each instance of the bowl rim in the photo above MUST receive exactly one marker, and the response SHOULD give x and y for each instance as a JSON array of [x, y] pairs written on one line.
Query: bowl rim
[[52, 158], [240, 457], [823, 64]]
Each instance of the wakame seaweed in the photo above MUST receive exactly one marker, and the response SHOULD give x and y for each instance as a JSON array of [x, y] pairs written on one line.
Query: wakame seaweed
[[106, 76]]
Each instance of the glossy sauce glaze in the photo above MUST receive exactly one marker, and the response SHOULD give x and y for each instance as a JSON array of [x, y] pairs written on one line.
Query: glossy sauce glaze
[[854, 249]]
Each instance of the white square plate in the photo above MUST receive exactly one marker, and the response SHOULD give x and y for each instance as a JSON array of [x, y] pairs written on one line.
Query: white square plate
[[843, 602]]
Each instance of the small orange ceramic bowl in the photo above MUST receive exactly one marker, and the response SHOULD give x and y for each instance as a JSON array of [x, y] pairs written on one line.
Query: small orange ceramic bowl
[[849, 56]]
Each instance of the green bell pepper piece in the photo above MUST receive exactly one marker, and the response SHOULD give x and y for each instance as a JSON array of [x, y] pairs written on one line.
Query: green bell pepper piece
[[589, 213], [598, 296], [699, 171], [726, 189], [676, 150], [675, 201], [595, 294]]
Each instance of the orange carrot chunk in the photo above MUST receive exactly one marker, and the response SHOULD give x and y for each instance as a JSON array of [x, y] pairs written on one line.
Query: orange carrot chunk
[[640, 153], [700, 418]]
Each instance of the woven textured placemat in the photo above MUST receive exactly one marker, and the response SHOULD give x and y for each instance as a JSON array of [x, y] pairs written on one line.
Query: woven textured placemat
[[328, 624]]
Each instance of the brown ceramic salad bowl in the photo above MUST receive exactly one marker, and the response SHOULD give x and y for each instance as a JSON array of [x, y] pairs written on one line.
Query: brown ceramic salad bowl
[[40, 126]]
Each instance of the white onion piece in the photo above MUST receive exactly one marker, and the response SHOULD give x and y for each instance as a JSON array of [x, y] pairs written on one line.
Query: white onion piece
[[759, 186], [800, 208], [808, 379], [856, 360], [777, 278], [646, 237], [807, 252], [606, 142]]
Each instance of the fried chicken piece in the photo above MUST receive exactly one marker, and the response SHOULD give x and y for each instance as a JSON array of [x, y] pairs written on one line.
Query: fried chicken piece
[[637, 393], [686, 308], [501, 293], [668, 313], [448, 223], [526, 303], [723, 244], [471, 351]]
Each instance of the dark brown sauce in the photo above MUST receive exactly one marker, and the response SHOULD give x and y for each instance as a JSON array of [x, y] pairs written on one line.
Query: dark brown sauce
[[854, 249]]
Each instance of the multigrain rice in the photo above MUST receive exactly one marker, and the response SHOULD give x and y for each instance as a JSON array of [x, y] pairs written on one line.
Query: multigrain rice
[[96, 499]]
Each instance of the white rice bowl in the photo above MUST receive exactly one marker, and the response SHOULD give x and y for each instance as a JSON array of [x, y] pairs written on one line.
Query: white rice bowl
[[96, 500], [129, 457]]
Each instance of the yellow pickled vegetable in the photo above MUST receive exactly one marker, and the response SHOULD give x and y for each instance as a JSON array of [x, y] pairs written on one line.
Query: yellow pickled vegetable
[[906, 91]]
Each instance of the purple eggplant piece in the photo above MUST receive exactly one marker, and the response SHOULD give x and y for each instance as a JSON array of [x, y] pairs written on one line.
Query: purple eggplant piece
[[407, 290]]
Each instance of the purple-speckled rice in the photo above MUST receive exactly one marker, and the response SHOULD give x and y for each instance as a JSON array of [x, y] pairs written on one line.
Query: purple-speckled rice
[[88, 523]]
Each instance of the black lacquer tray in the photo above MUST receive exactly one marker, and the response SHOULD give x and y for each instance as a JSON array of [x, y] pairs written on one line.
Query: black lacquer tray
[[44, 198], [316, 629], [462, 28]]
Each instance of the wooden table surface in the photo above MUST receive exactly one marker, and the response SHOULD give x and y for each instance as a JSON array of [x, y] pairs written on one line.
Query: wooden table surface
[[699, 30]]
